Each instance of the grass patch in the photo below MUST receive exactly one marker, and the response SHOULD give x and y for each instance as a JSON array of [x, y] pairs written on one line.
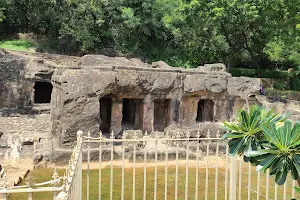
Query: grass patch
[[283, 91], [20, 45], [45, 175]]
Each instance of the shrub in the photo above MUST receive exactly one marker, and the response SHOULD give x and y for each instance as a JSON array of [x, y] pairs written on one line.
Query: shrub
[[279, 85], [295, 84], [243, 72], [276, 74]]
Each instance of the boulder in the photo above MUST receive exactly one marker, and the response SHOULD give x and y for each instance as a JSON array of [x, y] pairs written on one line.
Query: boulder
[[217, 67], [37, 158], [202, 82], [243, 86], [161, 65]]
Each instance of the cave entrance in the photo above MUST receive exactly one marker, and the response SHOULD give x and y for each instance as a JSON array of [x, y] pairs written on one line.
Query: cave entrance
[[205, 110], [132, 114], [161, 114], [105, 114], [42, 92]]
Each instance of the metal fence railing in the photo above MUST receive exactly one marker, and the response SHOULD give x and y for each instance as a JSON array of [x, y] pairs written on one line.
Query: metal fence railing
[[159, 166], [171, 166], [30, 187]]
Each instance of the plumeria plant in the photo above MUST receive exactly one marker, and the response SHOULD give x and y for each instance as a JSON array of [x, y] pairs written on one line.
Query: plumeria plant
[[268, 140]]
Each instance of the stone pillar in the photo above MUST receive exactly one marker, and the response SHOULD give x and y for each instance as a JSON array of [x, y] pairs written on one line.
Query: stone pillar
[[188, 110], [116, 115], [148, 114], [215, 111], [174, 111], [138, 114]]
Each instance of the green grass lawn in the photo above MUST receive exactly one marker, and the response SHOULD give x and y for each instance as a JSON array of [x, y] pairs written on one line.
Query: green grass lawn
[[21, 45], [45, 174]]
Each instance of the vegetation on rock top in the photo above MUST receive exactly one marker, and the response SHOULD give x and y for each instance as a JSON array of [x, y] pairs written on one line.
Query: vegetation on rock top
[[252, 33]]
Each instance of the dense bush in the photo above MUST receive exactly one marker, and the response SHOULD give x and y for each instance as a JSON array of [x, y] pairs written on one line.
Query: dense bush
[[292, 78], [243, 72], [279, 85], [295, 84], [260, 34], [275, 74]]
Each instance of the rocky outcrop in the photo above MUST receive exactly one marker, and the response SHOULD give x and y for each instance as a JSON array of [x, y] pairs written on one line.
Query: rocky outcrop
[[166, 95], [217, 67], [243, 86]]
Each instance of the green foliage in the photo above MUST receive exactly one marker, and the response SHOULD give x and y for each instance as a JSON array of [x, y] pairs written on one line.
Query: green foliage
[[295, 84], [246, 132], [297, 189], [279, 85], [275, 74], [265, 142], [280, 153], [243, 72], [260, 34], [21, 45]]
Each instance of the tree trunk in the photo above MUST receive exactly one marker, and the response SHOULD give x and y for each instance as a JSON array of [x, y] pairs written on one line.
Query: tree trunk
[[298, 181], [228, 63]]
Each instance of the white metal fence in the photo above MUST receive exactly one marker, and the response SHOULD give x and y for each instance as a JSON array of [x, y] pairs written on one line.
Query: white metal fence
[[171, 166], [178, 166], [29, 187]]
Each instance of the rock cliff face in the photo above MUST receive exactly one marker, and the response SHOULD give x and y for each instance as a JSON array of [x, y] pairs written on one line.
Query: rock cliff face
[[95, 92]]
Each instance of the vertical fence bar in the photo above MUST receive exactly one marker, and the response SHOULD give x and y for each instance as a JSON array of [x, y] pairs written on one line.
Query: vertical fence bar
[[100, 170], [29, 193], [145, 166], [176, 175], [79, 164], [233, 166], [155, 170], [123, 168], [258, 186], [186, 195], [293, 190], [111, 165], [3, 196], [206, 166], [88, 170], [166, 166], [74, 179], [267, 183], [284, 191], [77, 174], [54, 195], [276, 192], [249, 181], [226, 172], [80, 171], [240, 177], [197, 166], [217, 167], [133, 173]]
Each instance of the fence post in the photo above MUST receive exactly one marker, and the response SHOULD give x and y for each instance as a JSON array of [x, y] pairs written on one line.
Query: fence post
[[3, 183], [233, 168], [3, 196], [62, 196], [79, 165]]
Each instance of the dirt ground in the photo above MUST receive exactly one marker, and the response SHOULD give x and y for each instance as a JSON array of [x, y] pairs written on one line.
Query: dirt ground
[[127, 164], [16, 169]]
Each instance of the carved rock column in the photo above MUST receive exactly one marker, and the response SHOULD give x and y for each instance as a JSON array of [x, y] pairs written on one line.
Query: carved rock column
[[116, 115], [148, 114]]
